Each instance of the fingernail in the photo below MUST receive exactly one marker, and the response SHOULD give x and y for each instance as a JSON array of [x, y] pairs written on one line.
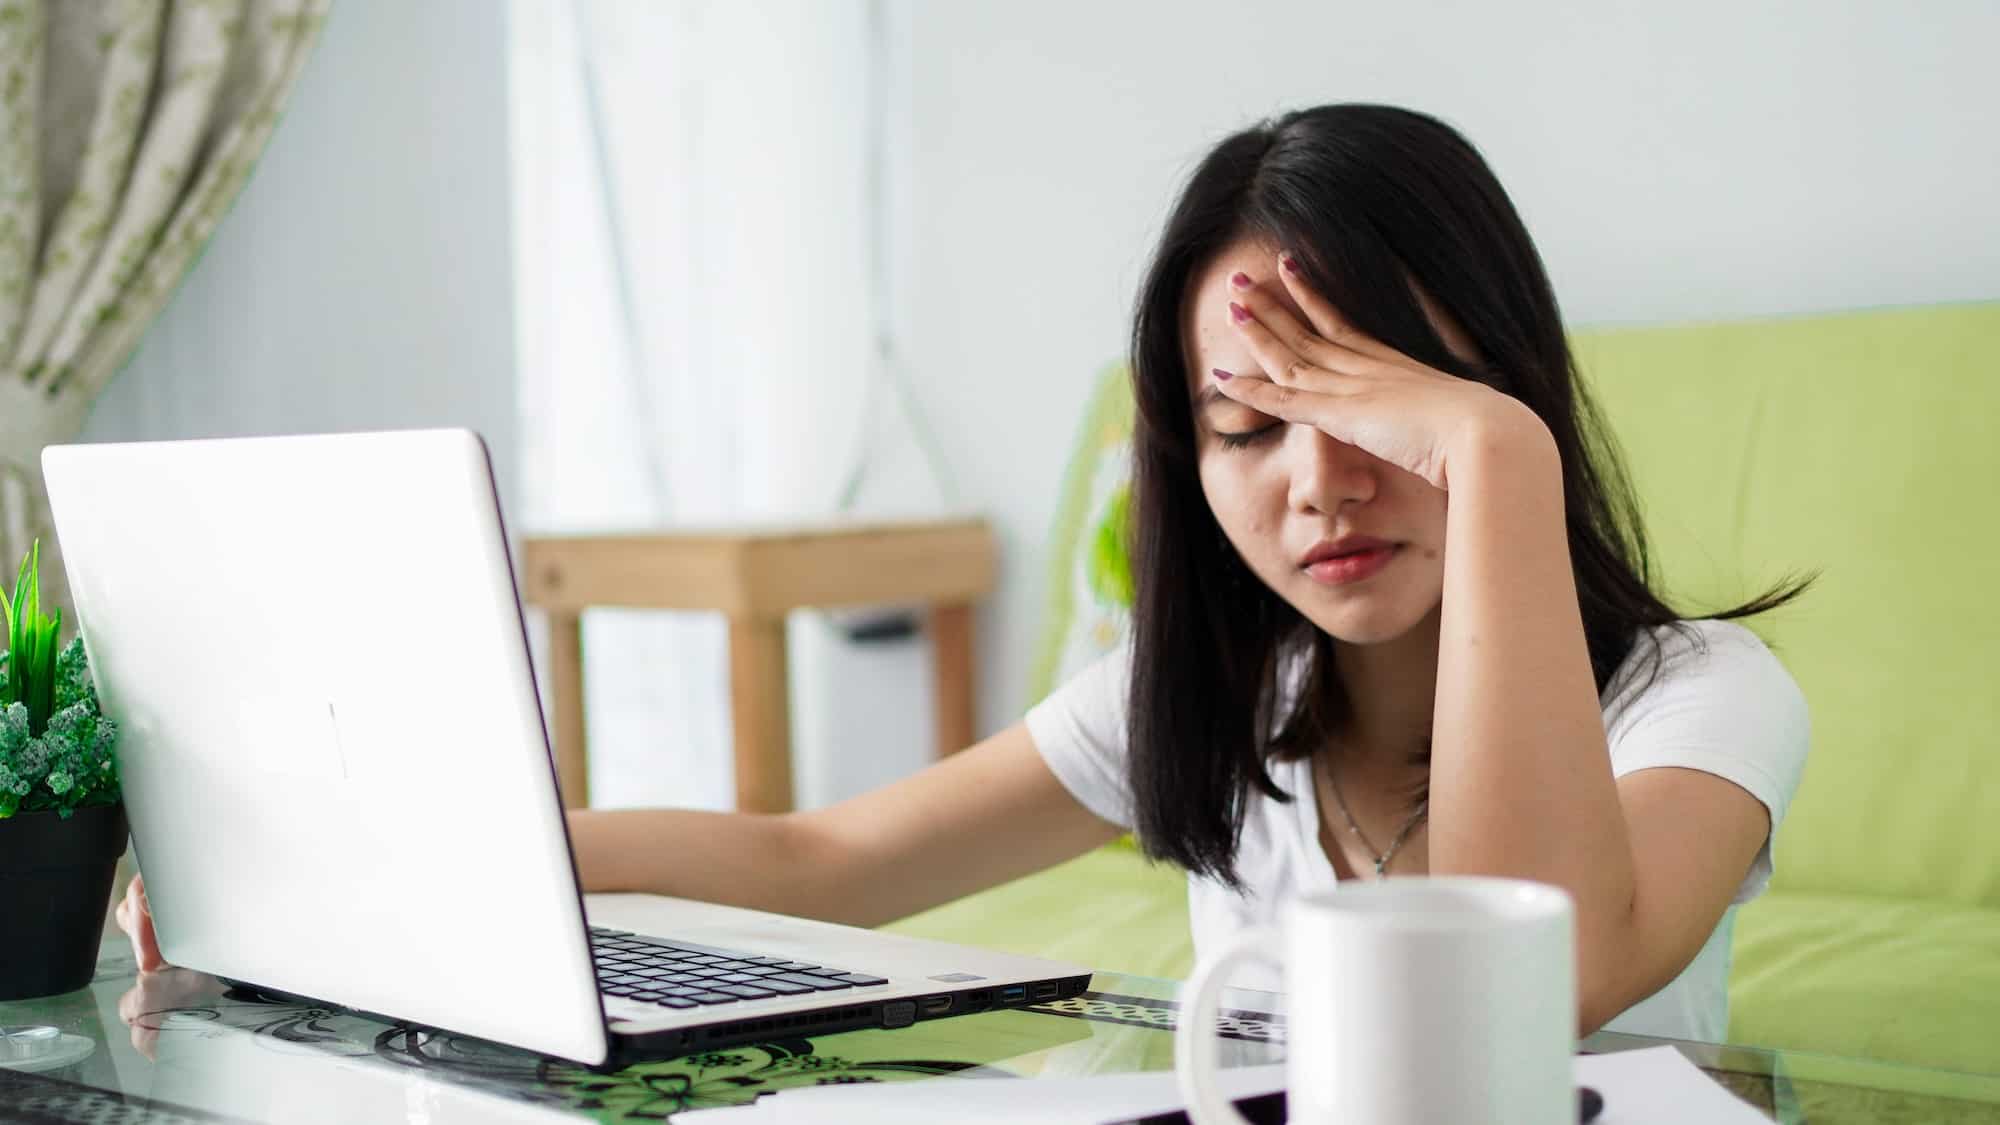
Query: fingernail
[[1221, 374], [1240, 280], [1289, 262], [1239, 312]]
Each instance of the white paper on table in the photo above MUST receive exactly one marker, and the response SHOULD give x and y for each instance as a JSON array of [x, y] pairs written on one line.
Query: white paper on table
[[1655, 1085], [1658, 1084]]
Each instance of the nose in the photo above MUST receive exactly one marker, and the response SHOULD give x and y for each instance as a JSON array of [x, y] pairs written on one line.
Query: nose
[[1324, 472]]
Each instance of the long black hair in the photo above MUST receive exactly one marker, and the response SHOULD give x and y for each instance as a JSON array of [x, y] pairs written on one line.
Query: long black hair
[[1368, 198]]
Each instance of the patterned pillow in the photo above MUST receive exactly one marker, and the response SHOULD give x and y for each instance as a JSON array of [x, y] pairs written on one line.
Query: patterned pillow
[[1090, 573]]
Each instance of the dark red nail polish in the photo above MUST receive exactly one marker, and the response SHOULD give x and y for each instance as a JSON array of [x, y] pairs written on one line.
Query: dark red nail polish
[[1290, 263], [1221, 374], [1239, 312], [1240, 280]]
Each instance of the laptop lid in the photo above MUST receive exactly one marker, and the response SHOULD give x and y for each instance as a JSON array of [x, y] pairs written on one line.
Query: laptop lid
[[333, 755]]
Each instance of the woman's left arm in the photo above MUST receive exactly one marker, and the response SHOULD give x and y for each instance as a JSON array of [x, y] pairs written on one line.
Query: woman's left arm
[[1521, 780]]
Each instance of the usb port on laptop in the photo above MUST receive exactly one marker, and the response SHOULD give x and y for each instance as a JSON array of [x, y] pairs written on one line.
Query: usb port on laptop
[[1014, 994]]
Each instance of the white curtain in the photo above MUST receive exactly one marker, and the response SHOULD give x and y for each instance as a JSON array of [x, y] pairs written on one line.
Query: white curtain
[[126, 129], [700, 280]]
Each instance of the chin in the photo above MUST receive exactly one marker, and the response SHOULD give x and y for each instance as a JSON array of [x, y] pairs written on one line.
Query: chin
[[1363, 621], [1368, 633]]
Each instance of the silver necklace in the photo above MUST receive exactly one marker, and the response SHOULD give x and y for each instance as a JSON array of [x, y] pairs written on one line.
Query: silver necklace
[[1381, 858]]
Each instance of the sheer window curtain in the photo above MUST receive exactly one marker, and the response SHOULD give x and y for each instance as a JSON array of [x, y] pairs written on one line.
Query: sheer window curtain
[[127, 127], [699, 310]]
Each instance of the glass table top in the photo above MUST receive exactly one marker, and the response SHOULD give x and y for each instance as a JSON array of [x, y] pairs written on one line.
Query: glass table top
[[181, 1046]]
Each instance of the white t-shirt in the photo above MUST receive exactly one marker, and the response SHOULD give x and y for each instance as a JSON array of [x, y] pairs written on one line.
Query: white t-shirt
[[1721, 704]]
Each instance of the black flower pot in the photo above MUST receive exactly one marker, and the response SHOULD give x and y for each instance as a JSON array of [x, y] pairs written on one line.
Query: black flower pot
[[55, 883]]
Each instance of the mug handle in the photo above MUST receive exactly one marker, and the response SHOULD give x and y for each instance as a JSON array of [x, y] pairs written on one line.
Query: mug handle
[[1194, 1037]]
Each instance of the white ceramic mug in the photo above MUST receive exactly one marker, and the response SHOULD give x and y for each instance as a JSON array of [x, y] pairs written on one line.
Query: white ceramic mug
[[1409, 1000]]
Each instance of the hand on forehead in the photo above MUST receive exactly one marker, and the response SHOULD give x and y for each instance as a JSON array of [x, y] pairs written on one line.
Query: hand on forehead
[[1207, 330]]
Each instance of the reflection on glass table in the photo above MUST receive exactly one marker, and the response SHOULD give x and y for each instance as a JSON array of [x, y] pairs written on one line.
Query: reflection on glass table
[[182, 1046]]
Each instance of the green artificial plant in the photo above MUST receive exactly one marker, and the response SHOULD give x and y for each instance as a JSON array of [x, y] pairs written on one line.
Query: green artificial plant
[[55, 746]]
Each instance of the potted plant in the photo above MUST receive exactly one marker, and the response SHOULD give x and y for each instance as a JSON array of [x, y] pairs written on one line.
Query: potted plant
[[62, 827]]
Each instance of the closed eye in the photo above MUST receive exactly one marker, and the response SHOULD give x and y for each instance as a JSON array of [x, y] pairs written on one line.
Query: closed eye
[[1241, 439]]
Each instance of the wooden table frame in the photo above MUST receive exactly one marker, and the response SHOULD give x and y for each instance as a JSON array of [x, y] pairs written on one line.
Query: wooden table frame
[[757, 577]]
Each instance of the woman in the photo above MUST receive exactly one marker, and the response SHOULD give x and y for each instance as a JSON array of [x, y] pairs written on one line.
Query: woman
[[1392, 614]]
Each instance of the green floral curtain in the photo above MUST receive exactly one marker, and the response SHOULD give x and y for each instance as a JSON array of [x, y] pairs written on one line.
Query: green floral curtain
[[126, 129]]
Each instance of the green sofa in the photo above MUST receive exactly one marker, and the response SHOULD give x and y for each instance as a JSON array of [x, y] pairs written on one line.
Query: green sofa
[[1862, 445]]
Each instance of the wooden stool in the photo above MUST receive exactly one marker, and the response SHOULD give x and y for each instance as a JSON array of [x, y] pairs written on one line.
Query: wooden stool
[[756, 577]]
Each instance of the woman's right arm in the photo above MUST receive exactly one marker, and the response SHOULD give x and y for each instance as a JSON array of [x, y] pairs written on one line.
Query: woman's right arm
[[979, 818]]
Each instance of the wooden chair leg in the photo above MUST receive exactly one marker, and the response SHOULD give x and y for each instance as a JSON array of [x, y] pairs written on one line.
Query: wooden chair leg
[[760, 705], [951, 641], [566, 684]]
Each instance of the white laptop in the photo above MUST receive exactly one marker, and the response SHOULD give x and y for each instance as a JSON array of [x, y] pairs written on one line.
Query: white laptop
[[339, 781]]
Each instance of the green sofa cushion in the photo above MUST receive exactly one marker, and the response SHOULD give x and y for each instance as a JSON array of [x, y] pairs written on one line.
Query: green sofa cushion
[[1909, 982], [1108, 909], [1864, 445]]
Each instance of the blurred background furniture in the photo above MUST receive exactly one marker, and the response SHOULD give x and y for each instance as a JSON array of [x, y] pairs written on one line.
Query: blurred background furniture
[[1863, 445], [757, 577]]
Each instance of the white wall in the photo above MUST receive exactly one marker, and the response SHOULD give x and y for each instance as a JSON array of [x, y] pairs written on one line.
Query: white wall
[[1696, 160], [362, 280]]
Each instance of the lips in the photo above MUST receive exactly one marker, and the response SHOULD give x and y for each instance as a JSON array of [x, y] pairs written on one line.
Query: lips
[[1349, 559], [1342, 547]]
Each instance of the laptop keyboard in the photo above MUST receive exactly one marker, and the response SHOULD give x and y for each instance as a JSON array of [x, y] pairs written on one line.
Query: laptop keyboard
[[680, 974]]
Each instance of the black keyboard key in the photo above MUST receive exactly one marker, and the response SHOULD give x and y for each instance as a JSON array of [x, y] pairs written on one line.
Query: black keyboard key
[[676, 1002], [816, 983], [618, 990], [745, 991], [783, 987], [707, 998], [647, 994], [859, 980]]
